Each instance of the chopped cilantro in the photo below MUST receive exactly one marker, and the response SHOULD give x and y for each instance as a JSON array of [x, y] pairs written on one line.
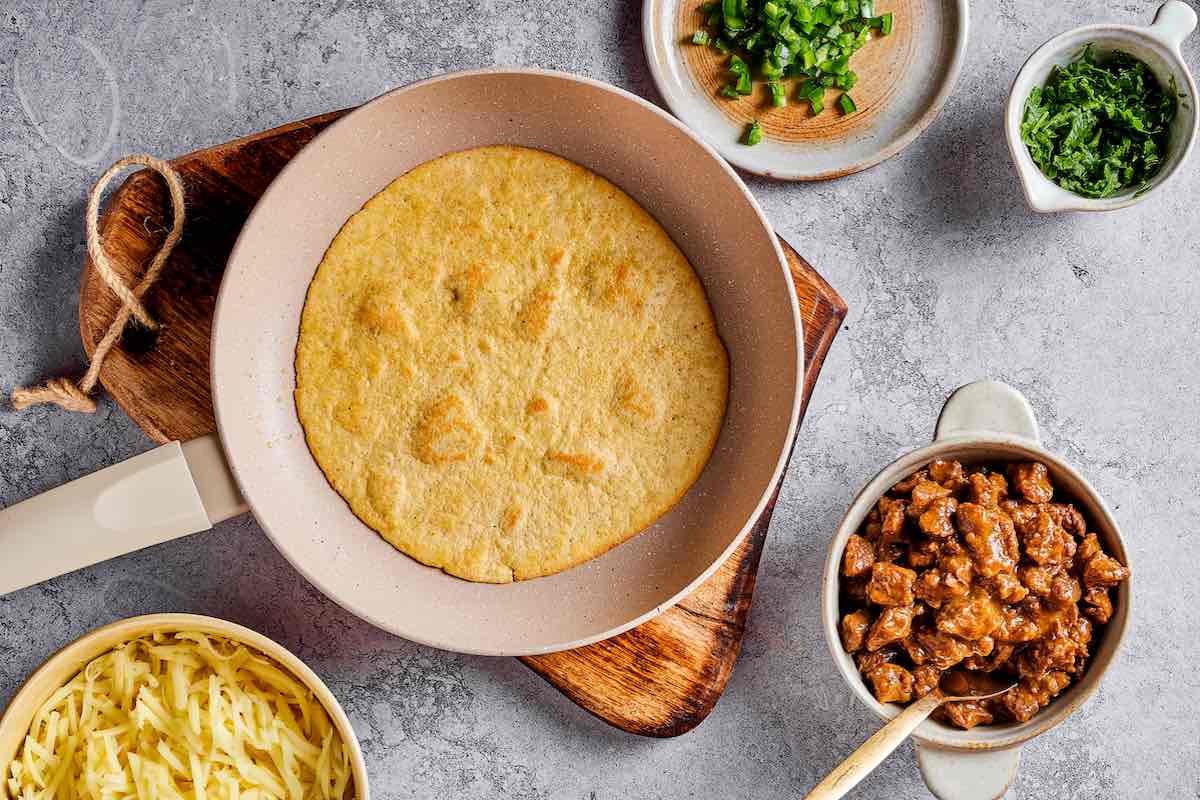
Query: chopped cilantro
[[1100, 125]]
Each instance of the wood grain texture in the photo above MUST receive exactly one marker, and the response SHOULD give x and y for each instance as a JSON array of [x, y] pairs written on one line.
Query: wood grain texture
[[659, 679]]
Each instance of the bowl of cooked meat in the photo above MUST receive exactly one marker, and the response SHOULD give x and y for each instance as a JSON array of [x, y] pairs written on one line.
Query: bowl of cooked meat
[[981, 558]]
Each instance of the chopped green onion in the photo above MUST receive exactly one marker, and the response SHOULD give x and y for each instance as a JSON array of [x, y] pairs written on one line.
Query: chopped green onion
[[778, 95], [753, 134], [732, 13], [847, 104], [807, 54], [816, 101], [804, 15], [808, 41], [786, 33]]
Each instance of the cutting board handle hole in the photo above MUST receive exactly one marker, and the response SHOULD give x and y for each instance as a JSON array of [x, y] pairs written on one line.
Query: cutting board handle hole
[[137, 339]]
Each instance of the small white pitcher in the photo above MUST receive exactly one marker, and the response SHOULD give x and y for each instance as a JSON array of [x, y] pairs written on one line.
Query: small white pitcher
[[1158, 46]]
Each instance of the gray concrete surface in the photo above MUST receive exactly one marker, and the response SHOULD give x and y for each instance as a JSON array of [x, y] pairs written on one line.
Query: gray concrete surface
[[948, 277]]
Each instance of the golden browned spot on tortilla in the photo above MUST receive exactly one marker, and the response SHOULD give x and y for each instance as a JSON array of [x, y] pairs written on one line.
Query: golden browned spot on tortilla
[[512, 518], [468, 286], [619, 286], [383, 313], [354, 415], [576, 466], [447, 433], [535, 317], [635, 402], [387, 493]]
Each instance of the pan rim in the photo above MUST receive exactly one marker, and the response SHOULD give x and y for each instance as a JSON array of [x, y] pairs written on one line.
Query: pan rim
[[453, 643]]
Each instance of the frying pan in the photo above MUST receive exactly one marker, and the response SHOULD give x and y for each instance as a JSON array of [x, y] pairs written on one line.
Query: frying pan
[[179, 489]]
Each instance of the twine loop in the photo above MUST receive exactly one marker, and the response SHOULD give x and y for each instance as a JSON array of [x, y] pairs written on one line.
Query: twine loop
[[77, 396]]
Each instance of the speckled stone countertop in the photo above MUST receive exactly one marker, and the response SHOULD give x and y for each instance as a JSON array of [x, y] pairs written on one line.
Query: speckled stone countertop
[[949, 278]]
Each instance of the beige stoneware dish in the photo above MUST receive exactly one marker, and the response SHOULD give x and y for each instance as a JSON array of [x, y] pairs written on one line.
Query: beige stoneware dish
[[983, 421], [904, 80], [66, 663], [693, 194]]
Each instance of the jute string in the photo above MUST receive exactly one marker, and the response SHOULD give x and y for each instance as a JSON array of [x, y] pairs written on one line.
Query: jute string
[[77, 396]]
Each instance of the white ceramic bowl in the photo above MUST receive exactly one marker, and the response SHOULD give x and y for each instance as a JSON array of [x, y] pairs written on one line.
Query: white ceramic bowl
[[1156, 45], [984, 421], [66, 663]]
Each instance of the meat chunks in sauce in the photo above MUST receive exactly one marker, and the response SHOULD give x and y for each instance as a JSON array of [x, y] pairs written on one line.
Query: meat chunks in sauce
[[891, 585], [854, 630], [976, 568], [891, 684], [859, 557]]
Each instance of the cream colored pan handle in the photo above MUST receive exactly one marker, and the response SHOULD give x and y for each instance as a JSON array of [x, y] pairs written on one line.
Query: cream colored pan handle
[[171, 491]]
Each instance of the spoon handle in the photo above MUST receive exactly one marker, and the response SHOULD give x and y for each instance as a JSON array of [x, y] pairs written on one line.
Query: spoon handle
[[873, 751]]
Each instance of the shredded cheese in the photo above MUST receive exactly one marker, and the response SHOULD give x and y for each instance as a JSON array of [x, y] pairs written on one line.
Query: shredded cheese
[[181, 716]]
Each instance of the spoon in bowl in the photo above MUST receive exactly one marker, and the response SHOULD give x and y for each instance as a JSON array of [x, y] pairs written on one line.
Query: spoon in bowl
[[872, 752]]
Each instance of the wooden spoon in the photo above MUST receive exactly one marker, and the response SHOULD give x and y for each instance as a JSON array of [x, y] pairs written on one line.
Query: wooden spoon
[[872, 752]]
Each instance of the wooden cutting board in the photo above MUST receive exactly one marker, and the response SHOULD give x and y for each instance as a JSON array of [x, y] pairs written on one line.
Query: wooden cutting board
[[659, 679]]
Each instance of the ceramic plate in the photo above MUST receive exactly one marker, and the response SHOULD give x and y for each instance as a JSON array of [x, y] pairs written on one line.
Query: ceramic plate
[[904, 80]]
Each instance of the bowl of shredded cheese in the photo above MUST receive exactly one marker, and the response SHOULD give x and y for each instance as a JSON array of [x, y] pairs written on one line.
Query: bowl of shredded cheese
[[178, 706]]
